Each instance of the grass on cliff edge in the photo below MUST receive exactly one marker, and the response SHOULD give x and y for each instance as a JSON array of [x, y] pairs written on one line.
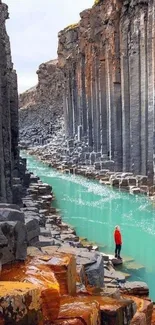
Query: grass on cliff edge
[[73, 26], [97, 2]]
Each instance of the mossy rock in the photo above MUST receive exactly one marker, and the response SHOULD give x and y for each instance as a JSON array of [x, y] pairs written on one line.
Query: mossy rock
[[98, 2], [71, 27]]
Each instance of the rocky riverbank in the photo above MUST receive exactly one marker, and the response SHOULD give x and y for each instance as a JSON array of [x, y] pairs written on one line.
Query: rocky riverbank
[[59, 264], [138, 184]]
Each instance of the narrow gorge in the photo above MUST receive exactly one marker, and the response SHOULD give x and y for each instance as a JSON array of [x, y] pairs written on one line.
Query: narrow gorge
[[91, 114]]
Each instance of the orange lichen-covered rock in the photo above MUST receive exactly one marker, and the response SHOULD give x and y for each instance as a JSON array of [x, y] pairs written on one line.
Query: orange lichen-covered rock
[[80, 274], [19, 303], [41, 276], [87, 312], [144, 307], [64, 268], [113, 311], [139, 319], [153, 316], [74, 321]]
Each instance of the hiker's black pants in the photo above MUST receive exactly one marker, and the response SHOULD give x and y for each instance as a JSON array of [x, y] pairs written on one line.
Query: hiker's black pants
[[117, 250]]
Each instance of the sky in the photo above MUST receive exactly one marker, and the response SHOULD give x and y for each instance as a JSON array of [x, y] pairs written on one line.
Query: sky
[[33, 28]]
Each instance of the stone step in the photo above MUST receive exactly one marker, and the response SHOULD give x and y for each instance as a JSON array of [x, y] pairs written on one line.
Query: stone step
[[134, 266]]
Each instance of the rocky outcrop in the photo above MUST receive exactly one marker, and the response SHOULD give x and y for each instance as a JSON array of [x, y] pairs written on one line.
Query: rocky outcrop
[[9, 157], [40, 114], [105, 74], [108, 65]]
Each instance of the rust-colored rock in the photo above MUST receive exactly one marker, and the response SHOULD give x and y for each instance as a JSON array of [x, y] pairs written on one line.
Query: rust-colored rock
[[139, 319], [64, 268], [144, 311], [75, 321], [88, 312], [113, 311], [43, 278], [20, 303]]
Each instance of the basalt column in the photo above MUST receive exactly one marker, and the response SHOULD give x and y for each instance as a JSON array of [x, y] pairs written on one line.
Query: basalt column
[[9, 156], [150, 84], [109, 89], [5, 111], [103, 103], [89, 94], [137, 78], [83, 95], [117, 105]]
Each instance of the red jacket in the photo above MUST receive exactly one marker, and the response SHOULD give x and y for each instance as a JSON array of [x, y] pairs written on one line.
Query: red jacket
[[117, 237]]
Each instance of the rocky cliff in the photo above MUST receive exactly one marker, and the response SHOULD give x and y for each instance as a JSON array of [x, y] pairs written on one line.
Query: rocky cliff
[[41, 106], [108, 65], [9, 157], [107, 84]]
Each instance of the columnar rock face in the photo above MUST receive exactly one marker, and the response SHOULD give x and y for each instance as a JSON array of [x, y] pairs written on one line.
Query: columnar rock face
[[9, 157], [41, 107], [108, 65]]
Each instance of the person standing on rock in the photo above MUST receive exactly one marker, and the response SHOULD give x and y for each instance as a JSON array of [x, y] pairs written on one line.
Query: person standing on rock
[[118, 241]]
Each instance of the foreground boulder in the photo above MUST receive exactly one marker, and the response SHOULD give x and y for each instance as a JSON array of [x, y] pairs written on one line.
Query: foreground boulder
[[19, 303], [112, 311], [13, 244], [40, 276]]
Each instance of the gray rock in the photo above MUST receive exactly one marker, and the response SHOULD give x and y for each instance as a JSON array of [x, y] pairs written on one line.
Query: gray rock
[[95, 273], [16, 241], [7, 214], [9, 206], [33, 229], [135, 288]]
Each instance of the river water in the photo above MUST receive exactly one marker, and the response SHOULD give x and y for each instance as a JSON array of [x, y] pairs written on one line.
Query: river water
[[94, 210]]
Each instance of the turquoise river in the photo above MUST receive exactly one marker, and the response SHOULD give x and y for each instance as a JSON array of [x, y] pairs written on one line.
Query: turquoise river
[[94, 210]]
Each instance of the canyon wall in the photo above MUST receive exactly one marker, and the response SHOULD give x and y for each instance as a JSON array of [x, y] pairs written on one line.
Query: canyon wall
[[108, 64], [40, 114], [9, 156]]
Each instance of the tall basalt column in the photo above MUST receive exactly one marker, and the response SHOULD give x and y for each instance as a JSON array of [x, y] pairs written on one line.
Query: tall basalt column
[[14, 123], [83, 90], [70, 104], [135, 108], [98, 108], [2, 177], [117, 105], [103, 103], [109, 103], [74, 100], [125, 91], [111, 108], [94, 103], [5, 70], [143, 91], [150, 71], [89, 95], [65, 107]]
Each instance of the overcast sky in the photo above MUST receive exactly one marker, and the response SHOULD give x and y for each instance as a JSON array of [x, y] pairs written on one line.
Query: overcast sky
[[33, 29]]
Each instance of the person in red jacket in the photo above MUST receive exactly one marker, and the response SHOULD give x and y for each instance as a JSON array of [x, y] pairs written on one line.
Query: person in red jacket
[[118, 241]]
